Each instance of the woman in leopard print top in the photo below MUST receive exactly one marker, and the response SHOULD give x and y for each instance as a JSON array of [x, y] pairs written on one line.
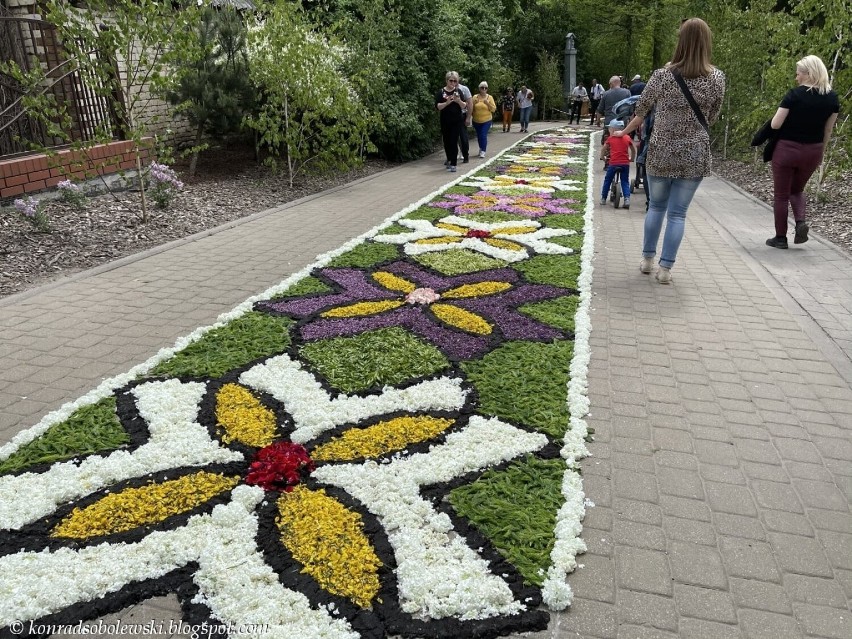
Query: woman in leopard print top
[[679, 146]]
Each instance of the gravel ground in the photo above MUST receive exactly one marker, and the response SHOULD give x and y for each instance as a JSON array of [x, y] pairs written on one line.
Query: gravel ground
[[229, 185]]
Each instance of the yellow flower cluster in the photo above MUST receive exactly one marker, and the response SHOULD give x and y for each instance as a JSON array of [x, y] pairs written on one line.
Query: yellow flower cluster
[[477, 290], [517, 230], [142, 506], [243, 418], [328, 540], [379, 439], [362, 308], [460, 318], [393, 282]]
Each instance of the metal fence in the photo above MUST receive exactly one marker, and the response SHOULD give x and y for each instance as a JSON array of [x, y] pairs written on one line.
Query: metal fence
[[34, 44]]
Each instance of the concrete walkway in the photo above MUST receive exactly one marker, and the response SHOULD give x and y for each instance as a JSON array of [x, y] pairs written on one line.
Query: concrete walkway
[[722, 466]]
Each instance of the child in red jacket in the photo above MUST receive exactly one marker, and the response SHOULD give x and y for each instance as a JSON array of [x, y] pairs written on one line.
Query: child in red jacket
[[621, 153]]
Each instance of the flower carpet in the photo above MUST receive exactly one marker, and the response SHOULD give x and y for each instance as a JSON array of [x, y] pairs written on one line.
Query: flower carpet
[[385, 443]]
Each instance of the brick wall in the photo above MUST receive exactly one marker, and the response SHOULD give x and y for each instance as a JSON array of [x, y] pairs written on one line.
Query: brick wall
[[34, 173]]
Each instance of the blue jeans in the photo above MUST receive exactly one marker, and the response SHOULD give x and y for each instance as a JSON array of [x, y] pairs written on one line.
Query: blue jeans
[[482, 134], [525, 117], [668, 198], [624, 171]]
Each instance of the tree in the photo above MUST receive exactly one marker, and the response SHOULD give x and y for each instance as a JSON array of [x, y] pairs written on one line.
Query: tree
[[309, 114], [212, 85], [548, 82]]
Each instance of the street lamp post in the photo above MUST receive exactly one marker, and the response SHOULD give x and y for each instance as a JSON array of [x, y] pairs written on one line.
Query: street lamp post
[[569, 75]]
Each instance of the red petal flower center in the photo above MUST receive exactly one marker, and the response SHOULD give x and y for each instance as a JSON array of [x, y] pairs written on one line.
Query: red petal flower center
[[279, 466], [477, 233]]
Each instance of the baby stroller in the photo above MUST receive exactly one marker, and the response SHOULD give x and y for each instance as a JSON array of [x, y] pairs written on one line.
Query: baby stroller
[[640, 181]]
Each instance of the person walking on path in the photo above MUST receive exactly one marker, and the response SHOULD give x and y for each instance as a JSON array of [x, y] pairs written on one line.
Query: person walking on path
[[804, 122], [621, 153], [578, 96], [525, 99], [467, 111], [637, 86], [596, 92], [483, 114], [449, 103], [615, 94], [687, 94], [507, 105]]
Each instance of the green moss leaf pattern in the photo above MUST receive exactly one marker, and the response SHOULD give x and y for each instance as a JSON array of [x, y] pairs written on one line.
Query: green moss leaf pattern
[[90, 429], [558, 270], [558, 313], [375, 358], [243, 340], [525, 382], [520, 529], [458, 261], [305, 286], [574, 222], [366, 255]]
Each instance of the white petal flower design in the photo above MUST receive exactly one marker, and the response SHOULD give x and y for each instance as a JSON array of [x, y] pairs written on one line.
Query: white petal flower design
[[540, 184], [508, 241]]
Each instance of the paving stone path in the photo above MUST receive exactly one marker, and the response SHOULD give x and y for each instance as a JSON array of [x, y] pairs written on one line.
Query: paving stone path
[[722, 404]]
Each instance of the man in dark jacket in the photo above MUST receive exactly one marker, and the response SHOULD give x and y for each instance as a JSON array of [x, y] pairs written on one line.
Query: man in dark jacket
[[637, 86], [611, 97]]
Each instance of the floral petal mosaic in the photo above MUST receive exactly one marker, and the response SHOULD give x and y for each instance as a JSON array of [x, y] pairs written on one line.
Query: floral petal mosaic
[[383, 444]]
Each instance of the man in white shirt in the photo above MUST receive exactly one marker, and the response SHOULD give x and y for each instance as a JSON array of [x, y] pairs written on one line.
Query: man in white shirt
[[467, 111], [578, 96], [525, 99], [596, 92]]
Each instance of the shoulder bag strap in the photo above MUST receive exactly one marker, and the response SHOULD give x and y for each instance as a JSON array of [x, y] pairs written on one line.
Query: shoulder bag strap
[[688, 95]]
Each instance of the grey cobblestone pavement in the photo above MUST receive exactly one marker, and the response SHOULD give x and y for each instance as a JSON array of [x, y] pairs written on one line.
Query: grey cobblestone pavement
[[722, 404]]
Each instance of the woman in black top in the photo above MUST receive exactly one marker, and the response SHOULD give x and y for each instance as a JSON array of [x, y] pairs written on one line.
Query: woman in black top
[[804, 122], [450, 102]]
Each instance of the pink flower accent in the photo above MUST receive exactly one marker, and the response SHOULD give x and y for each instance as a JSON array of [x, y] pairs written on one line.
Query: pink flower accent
[[422, 296], [477, 233]]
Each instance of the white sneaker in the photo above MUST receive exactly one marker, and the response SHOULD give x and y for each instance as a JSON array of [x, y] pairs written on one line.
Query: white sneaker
[[647, 265], [482, 154], [664, 275], [603, 201]]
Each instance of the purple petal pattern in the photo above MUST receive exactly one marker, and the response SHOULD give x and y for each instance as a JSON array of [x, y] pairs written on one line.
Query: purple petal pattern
[[529, 205], [499, 309]]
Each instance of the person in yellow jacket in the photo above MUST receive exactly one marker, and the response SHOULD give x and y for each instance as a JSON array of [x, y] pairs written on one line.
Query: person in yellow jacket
[[483, 114]]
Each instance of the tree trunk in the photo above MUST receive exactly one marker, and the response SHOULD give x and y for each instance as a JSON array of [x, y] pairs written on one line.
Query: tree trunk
[[193, 163], [141, 186]]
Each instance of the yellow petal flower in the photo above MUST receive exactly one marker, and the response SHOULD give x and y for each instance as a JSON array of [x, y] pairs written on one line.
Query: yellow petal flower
[[516, 230], [243, 418], [438, 240], [503, 244], [363, 308], [393, 282], [460, 318], [328, 540], [379, 439], [476, 290], [451, 227], [134, 507]]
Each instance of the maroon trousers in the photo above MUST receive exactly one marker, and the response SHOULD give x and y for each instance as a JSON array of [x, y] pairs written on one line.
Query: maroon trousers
[[793, 163]]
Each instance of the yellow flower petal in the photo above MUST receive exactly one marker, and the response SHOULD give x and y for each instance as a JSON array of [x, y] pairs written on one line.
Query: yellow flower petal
[[451, 227], [476, 290], [379, 439], [460, 318], [438, 240], [134, 507], [503, 244], [243, 418], [394, 282], [516, 230], [363, 308], [328, 540]]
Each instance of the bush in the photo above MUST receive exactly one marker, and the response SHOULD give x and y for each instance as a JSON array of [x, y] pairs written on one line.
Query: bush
[[164, 184], [30, 209], [72, 194]]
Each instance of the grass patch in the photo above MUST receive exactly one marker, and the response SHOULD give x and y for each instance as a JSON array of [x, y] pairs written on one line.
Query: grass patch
[[395, 229], [516, 509], [428, 213], [239, 342], [571, 241], [306, 286], [458, 261], [558, 270], [90, 429], [525, 382], [365, 255], [558, 313], [573, 222], [491, 217], [384, 356]]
